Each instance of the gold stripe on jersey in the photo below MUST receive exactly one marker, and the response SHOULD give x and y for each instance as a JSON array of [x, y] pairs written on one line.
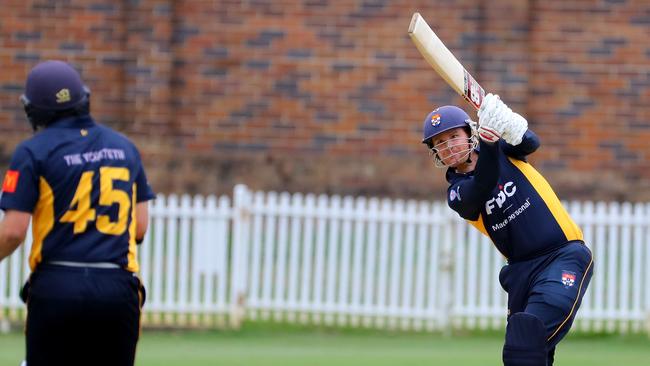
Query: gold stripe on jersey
[[43, 221], [479, 225], [569, 227], [132, 264]]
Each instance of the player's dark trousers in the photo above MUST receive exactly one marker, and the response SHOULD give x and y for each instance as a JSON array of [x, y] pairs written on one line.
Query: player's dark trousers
[[550, 287], [82, 316]]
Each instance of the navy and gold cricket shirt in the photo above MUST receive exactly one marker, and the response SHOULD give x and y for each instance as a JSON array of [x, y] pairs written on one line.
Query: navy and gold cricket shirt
[[81, 182], [511, 202]]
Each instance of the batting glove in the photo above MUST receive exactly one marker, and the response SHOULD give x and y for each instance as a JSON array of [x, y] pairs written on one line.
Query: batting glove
[[515, 129], [496, 121], [491, 125]]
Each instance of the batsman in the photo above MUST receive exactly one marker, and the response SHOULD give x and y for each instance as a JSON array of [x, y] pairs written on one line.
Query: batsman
[[492, 186]]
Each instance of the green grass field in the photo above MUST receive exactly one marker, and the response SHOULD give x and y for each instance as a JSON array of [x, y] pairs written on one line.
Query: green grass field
[[290, 346]]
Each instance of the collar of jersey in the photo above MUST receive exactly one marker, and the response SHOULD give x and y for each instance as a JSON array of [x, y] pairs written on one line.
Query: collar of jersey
[[73, 122], [452, 174]]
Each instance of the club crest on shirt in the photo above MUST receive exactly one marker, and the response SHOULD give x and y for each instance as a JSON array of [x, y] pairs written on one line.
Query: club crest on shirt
[[454, 194], [568, 278]]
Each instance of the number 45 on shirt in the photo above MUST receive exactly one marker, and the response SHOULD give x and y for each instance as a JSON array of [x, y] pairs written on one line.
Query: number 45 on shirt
[[81, 212]]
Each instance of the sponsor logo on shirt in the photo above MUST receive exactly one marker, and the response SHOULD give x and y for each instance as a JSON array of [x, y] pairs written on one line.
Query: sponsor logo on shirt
[[505, 191], [11, 181]]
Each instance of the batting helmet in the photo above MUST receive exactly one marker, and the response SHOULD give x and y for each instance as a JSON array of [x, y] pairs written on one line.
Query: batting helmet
[[54, 90], [443, 119]]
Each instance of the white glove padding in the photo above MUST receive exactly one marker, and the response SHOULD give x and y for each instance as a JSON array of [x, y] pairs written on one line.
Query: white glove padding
[[515, 130], [491, 126], [495, 117]]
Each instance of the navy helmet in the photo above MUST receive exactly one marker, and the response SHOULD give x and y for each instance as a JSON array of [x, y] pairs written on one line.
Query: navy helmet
[[443, 119], [54, 90]]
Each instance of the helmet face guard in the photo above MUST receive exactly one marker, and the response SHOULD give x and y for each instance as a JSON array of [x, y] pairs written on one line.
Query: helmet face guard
[[444, 119], [446, 146]]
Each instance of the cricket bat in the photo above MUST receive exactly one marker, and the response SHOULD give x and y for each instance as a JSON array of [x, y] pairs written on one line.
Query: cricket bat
[[444, 62]]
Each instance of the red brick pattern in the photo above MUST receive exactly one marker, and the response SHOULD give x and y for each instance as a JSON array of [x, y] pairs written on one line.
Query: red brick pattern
[[329, 96]]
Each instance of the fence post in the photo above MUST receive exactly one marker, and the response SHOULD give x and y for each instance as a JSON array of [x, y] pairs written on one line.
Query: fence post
[[447, 280], [239, 248], [646, 307]]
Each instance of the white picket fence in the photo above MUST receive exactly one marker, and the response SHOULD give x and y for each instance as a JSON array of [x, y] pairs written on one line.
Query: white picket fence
[[348, 261]]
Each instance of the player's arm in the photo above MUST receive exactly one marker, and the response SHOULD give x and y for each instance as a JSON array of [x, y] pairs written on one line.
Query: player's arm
[[18, 199], [471, 193], [13, 229], [141, 220], [144, 194], [528, 145]]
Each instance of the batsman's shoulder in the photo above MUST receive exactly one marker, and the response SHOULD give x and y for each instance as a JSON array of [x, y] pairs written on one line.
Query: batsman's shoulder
[[36, 147]]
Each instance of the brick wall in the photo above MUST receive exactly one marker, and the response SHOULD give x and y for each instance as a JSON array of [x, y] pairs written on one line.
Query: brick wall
[[329, 96]]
